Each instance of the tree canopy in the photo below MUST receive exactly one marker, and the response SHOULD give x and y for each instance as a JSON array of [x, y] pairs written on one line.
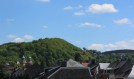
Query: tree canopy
[[48, 51]]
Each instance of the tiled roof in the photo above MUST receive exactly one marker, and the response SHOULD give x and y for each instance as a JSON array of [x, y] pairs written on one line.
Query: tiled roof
[[113, 64], [124, 69], [71, 73], [69, 67], [120, 64]]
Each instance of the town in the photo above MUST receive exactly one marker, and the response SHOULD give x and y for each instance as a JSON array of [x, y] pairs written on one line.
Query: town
[[72, 69]]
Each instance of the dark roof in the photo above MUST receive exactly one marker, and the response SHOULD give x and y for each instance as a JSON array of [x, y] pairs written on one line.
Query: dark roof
[[93, 66], [34, 71], [120, 64], [116, 64], [113, 64], [48, 72], [67, 64], [71, 73], [18, 72], [124, 70]]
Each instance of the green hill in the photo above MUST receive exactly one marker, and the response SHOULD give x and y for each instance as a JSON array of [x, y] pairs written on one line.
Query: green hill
[[115, 55], [48, 51], [120, 51]]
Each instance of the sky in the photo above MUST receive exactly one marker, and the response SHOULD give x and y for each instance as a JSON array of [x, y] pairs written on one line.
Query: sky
[[94, 24]]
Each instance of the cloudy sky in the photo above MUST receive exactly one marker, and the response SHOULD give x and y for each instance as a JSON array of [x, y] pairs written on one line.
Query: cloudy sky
[[94, 24]]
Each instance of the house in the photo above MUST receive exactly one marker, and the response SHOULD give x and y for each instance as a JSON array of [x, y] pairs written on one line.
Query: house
[[116, 70], [31, 72], [68, 70], [93, 68]]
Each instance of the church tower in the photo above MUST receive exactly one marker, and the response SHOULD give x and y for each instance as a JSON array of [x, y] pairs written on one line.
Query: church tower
[[29, 61], [22, 61]]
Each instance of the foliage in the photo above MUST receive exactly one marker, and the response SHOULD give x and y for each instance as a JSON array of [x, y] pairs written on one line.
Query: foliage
[[114, 55], [48, 51]]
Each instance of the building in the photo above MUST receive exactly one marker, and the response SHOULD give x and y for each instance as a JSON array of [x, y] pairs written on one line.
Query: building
[[116, 70], [68, 70]]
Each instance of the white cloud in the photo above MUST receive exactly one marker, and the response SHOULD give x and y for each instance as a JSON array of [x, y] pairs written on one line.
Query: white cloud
[[44, 1], [90, 24], [79, 13], [11, 36], [45, 27], [68, 8], [113, 46], [96, 46], [27, 37], [71, 8], [18, 40], [104, 8], [123, 21]]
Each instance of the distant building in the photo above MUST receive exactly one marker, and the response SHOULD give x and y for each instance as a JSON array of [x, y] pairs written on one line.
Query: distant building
[[23, 61]]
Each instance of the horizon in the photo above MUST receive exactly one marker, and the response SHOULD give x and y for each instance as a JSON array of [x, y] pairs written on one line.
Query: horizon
[[100, 25]]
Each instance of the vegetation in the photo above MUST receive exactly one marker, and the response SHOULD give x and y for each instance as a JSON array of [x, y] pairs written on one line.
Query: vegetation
[[48, 51], [117, 55]]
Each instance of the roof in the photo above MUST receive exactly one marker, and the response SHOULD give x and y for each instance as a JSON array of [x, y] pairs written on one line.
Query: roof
[[71, 73], [103, 65], [34, 70], [18, 72], [131, 75], [124, 69], [48, 72], [113, 64], [120, 64], [72, 63]]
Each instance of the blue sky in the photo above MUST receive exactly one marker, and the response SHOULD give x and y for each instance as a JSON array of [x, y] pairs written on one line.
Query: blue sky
[[94, 24]]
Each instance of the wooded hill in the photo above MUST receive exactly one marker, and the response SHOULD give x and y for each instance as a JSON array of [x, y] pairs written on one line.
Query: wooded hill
[[48, 51], [120, 51], [115, 55]]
